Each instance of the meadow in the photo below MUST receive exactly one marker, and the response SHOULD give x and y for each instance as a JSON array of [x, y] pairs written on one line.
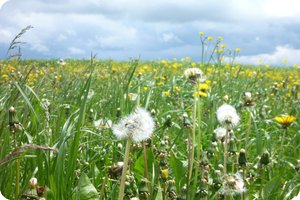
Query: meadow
[[57, 142]]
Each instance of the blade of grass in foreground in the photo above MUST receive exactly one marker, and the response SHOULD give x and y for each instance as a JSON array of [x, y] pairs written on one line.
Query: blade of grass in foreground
[[75, 143]]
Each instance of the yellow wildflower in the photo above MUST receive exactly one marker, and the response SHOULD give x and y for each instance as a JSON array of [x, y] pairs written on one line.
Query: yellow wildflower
[[176, 89], [201, 33], [203, 87], [200, 94], [210, 38], [285, 120], [164, 62], [238, 50], [165, 173], [114, 69], [160, 83], [167, 94], [5, 76]]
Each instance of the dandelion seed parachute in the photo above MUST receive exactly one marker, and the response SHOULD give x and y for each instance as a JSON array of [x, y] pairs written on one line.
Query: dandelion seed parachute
[[137, 126], [2, 197], [220, 133], [234, 184], [227, 116]]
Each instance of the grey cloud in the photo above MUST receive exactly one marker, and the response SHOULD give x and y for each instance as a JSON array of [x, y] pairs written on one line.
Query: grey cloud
[[128, 28]]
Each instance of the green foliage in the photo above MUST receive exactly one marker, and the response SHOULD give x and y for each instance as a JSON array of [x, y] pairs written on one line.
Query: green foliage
[[57, 107]]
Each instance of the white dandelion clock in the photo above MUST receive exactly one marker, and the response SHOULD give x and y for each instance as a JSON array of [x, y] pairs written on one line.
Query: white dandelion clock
[[227, 116], [2, 197], [234, 184], [138, 126], [297, 197], [194, 75], [220, 133]]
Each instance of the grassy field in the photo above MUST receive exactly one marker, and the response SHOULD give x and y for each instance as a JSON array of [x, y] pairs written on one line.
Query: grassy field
[[56, 121]]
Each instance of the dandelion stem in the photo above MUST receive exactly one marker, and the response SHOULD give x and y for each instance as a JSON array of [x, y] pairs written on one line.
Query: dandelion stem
[[144, 145], [244, 179], [189, 162], [124, 171], [261, 182], [225, 161], [193, 138], [283, 138], [248, 128], [146, 169], [198, 147], [225, 154], [17, 171], [232, 162], [202, 51]]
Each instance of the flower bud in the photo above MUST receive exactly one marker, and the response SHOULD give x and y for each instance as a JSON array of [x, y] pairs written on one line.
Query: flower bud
[[153, 112], [265, 158], [32, 183], [247, 96], [242, 158], [120, 146], [118, 114], [168, 122], [225, 98]]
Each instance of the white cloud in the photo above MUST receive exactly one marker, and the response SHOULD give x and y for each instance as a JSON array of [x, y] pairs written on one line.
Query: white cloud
[[170, 37], [39, 47], [5, 36], [280, 9], [75, 51], [290, 54], [2, 2]]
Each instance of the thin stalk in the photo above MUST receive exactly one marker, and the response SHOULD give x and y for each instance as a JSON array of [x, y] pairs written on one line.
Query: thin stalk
[[124, 171], [146, 170], [225, 160], [248, 128], [17, 171], [261, 182], [103, 188], [199, 146], [283, 138], [193, 138], [225, 154], [202, 51], [189, 162], [144, 145], [244, 178], [165, 191], [233, 162]]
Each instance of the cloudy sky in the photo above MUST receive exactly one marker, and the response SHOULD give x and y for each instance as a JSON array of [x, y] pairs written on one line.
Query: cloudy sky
[[265, 30]]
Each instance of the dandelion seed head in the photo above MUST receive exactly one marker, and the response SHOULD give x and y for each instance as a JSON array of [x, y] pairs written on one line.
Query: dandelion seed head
[[2, 197], [247, 95], [137, 126], [227, 116], [220, 133], [234, 184], [194, 74]]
